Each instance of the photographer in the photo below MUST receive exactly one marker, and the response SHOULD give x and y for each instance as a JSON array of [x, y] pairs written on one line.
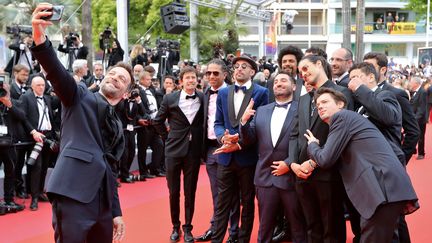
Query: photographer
[[39, 125], [170, 51], [22, 55], [129, 110], [115, 53], [138, 56], [73, 46], [10, 118]]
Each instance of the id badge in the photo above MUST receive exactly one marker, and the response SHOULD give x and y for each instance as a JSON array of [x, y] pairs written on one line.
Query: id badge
[[3, 129], [130, 127]]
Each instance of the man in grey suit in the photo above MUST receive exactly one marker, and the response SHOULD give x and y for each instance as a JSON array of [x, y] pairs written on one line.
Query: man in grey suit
[[274, 184], [374, 179], [82, 187]]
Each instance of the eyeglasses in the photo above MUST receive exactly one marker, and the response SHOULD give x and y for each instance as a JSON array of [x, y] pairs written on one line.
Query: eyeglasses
[[243, 66], [337, 59], [215, 73]]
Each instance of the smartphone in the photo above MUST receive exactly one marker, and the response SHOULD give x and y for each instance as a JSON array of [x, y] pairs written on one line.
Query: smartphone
[[57, 12]]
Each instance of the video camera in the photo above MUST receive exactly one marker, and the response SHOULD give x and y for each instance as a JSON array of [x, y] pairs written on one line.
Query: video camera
[[17, 29], [134, 93], [70, 38], [106, 34], [163, 44], [3, 80]]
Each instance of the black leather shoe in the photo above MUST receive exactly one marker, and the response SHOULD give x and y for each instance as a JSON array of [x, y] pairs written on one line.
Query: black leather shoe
[[282, 237], [34, 204], [14, 207], [22, 195], [141, 178], [160, 174], [205, 237], [175, 235], [2, 209], [232, 239], [149, 176], [127, 180], [43, 198], [188, 237]]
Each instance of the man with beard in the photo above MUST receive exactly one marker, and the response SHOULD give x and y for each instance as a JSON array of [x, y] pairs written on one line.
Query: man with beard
[[82, 187], [19, 87], [341, 61], [321, 195], [274, 185]]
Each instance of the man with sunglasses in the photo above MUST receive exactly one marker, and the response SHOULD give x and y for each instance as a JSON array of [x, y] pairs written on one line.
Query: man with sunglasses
[[216, 74], [341, 61], [236, 164]]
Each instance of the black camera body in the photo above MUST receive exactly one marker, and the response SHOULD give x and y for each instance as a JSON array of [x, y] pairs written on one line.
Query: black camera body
[[134, 93], [106, 34], [17, 29], [3, 92], [163, 44], [70, 38]]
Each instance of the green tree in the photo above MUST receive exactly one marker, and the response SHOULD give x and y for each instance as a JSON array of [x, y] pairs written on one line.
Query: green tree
[[419, 7]]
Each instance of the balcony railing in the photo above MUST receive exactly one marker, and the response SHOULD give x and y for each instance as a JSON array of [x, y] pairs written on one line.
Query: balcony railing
[[399, 28], [300, 29]]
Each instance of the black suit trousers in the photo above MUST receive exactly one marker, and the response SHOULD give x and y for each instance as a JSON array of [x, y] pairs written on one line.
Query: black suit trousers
[[147, 136], [228, 177], [128, 154], [421, 141], [190, 166], [21, 152], [322, 203], [38, 172], [6, 160]]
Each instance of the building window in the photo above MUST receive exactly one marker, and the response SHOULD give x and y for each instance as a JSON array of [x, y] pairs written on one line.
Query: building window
[[394, 50]]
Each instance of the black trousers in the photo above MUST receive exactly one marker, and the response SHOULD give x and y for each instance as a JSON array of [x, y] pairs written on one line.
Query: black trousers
[[21, 153], [9, 170], [228, 177], [421, 141], [147, 136], [38, 172], [189, 165], [322, 203], [128, 154], [76, 222]]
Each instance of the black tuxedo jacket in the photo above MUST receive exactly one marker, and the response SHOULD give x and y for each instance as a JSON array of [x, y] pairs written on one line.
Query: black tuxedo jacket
[[419, 105], [383, 110], [127, 115], [81, 165], [411, 131], [13, 118], [344, 81], [30, 107], [304, 120], [15, 91], [177, 139], [371, 173]]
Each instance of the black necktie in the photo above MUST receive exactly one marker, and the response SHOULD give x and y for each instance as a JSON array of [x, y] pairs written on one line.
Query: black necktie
[[237, 88], [284, 105], [191, 96], [213, 91]]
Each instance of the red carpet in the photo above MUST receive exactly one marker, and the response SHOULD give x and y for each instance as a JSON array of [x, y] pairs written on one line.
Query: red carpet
[[146, 211]]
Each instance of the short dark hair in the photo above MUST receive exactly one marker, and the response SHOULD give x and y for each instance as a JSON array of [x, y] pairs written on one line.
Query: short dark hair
[[128, 68], [336, 95], [380, 58], [291, 78], [169, 76], [365, 68], [220, 63], [293, 50], [314, 59], [317, 51], [149, 69], [187, 69]]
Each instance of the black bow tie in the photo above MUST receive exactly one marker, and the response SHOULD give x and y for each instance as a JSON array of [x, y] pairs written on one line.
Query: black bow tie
[[237, 88], [191, 96], [213, 91], [284, 105], [39, 97]]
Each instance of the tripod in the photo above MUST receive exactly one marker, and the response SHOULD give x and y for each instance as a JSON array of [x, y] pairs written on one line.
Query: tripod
[[71, 57]]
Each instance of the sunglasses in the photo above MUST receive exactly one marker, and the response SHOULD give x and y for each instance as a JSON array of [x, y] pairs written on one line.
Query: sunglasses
[[215, 73], [243, 66]]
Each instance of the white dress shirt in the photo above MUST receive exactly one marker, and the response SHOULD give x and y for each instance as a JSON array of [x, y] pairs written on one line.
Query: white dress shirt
[[189, 107], [44, 123], [211, 113], [239, 96], [277, 120]]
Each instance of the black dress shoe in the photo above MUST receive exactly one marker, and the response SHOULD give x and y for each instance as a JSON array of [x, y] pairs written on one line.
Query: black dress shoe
[[282, 237], [140, 178], [127, 180], [205, 237], [188, 237], [13, 207], [34, 204], [232, 239], [149, 176], [175, 235], [43, 198], [22, 195]]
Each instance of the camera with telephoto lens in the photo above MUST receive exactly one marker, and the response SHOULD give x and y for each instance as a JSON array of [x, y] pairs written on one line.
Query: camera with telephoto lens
[[134, 93], [17, 29], [106, 34], [34, 155], [3, 80], [70, 38]]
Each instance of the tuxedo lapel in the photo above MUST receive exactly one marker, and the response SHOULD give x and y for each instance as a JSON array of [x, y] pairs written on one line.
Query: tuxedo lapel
[[231, 109], [287, 123], [200, 97], [306, 109], [177, 107], [206, 102], [245, 102]]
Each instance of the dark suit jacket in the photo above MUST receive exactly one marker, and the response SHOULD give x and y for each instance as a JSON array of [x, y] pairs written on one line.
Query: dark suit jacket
[[15, 91], [13, 118], [383, 110], [81, 54], [177, 139], [303, 121], [225, 119], [30, 107], [127, 115], [411, 131], [344, 81], [258, 131], [419, 105], [371, 172], [81, 165]]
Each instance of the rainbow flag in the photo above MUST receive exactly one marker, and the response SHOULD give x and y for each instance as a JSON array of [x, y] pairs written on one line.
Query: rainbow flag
[[271, 43]]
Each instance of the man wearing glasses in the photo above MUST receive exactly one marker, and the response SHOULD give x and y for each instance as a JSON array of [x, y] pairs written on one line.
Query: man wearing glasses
[[341, 61], [236, 162]]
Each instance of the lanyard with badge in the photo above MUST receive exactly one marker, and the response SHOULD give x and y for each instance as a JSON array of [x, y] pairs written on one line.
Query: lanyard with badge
[[3, 127]]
